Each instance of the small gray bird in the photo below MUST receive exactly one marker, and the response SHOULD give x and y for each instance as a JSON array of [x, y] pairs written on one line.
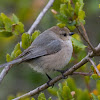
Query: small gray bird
[[51, 50]]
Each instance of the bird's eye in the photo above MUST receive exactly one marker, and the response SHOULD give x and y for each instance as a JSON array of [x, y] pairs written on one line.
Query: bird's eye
[[65, 34]]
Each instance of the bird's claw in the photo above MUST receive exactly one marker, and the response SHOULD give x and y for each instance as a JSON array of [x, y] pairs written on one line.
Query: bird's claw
[[49, 81], [62, 72]]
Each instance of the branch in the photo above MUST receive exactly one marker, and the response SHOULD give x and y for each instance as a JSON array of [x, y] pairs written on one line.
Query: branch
[[4, 72], [82, 73], [37, 21], [84, 31], [85, 36], [32, 28], [95, 67], [68, 72]]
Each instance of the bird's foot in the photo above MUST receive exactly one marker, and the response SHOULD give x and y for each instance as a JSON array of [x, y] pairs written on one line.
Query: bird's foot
[[62, 72], [48, 83]]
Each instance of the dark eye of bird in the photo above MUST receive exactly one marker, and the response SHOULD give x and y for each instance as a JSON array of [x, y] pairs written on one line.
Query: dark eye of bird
[[65, 34]]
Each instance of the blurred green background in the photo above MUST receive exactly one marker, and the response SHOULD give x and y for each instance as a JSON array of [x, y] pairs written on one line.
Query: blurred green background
[[22, 78]]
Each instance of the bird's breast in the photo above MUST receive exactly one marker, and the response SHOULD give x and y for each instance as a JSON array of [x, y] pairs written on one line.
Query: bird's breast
[[59, 59], [54, 61]]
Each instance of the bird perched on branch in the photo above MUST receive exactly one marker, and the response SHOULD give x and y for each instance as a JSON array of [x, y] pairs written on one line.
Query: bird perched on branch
[[51, 50]]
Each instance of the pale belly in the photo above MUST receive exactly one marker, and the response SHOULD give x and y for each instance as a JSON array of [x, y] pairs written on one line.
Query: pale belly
[[52, 62]]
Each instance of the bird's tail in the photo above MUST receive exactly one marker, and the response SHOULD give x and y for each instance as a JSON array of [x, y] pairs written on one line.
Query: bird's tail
[[11, 62]]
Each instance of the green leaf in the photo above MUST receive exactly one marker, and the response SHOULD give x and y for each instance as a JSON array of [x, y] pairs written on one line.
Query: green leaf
[[77, 8], [17, 47], [81, 15], [13, 55], [18, 52], [83, 95], [98, 97], [60, 86], [7, 22], [21, 27], [56, 5], [15, 19], [53, 91], [4, 33], [62, 18], [74, 1], [66, 93], [63, 9], [71, 84], [59, 96], [98, 86], [78, 44], [9, 27], [71, 9], [8, 58], [61, 25], [49, 98], [18, 28], [41, 96], [26, 40], [81, 54], [94, 96], [32, 99], [71, 27], [95, 77], [35, 35], [1, 23]]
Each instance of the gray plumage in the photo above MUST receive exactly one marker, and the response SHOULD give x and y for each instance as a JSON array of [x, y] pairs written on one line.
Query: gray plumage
[[51, 50]]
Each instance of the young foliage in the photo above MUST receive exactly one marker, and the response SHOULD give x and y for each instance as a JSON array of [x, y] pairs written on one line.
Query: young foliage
[[41, 96], [35, 34], [26, 42], [27, 39], [95, 76], [8, 58], [78, 44], [94, 96], [70, 12], [10, 27], [67, 90], [16, 52]]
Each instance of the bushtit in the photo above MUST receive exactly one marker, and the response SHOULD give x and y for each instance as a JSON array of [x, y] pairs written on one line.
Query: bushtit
[[51, 50]]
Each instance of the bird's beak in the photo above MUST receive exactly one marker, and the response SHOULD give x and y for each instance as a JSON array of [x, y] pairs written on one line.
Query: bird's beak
[[71, 33]]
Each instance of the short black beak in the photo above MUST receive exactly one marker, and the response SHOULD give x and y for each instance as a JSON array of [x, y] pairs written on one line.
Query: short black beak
[[71, 33]]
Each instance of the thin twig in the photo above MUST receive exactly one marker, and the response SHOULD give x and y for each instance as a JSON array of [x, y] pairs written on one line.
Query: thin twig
[[81, 33], [4, 72], [81, 73], [39, 18], [37, 21], [68, 72], [85, 37], [84, 31], [34, 25], [95, 67]]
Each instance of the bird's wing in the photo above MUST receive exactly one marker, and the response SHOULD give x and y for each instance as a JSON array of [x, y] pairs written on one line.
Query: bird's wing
[[41, 41], [51, 48], [35, 52]]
